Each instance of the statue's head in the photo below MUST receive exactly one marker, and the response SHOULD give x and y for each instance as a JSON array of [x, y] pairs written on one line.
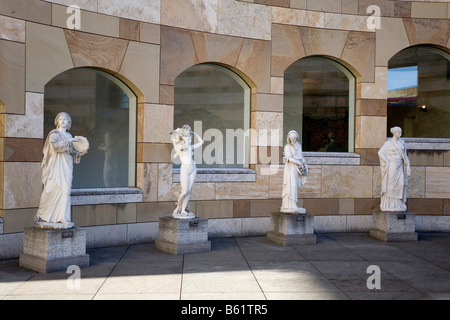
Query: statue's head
[[292, 136], [396, 131], [60, 115]]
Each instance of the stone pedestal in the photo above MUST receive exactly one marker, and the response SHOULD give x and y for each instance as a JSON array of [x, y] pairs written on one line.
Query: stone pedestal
[[179, 236], [291, 229], [48, 251], [393, 226]]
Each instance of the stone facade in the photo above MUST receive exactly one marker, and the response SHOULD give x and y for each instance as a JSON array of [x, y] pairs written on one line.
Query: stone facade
[[147, 44]]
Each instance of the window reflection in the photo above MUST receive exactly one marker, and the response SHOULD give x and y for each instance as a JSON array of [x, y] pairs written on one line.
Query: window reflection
[[215, 102], [317, 96], [418, 92], [100, 106]]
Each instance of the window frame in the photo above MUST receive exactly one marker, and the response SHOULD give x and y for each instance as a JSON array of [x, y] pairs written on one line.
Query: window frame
[[124, 194]]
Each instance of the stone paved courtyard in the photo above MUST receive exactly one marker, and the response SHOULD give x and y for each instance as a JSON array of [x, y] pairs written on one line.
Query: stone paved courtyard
[[250, 268]]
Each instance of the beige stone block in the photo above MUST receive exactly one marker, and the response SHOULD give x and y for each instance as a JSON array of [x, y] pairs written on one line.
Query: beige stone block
[[147, 181], [428, 10], [386, 6], [94, 215], [298, 4], [150, 33], [12, 77], [177, 53], [245, 190], [267, 102], [416, 183], [346, 182], [214, 209], [277, 85], [269, 129], [346, 206], [433, 31], [193, 15], [158, 123], [287, 47], [47, 55], [29, 10], [91, 22], [324, 5], [370, 132], [350, 6], [263, 208], [426, 158], [437, 183], [203, 191], [23, 185], [154, 152], [16, 220], [313, 186], [129, 29], [30, 125], [346, 22], [359, 53], [126, 213], [89, 50], [377, 90], [323, 41], [219, 48], [244, 20], [141, 10], [137, 56], [313, 19], [167, 191], [390, 39], [254, 62], [90, 5], [152, 211], [276, 182], [12, 29]]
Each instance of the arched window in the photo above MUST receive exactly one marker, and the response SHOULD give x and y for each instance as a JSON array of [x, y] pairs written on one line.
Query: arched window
[[103, 109], [215, 102], [419, 92], [319, 100]]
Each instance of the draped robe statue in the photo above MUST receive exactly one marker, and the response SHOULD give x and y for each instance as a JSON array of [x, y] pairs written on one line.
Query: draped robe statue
[[395, 169], [294, 175], [57, 173]]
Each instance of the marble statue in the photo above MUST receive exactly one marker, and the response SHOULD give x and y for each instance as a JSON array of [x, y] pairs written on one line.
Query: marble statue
[[294, 176], [395, 169], [61, 151], [184, 149]]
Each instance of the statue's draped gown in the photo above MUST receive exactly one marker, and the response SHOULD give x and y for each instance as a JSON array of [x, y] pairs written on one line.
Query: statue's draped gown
[[394, 180], [57, 175]]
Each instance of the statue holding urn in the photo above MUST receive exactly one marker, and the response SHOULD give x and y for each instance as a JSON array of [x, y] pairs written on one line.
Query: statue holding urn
[[61, 151], [294, 176]]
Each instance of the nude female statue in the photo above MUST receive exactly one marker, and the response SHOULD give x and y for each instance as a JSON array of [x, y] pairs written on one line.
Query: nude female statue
[[184, 149]]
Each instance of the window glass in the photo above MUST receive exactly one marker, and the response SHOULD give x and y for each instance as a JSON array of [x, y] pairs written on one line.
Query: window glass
[[319, 104], [418, 92], [103, 110], [215, 102]]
